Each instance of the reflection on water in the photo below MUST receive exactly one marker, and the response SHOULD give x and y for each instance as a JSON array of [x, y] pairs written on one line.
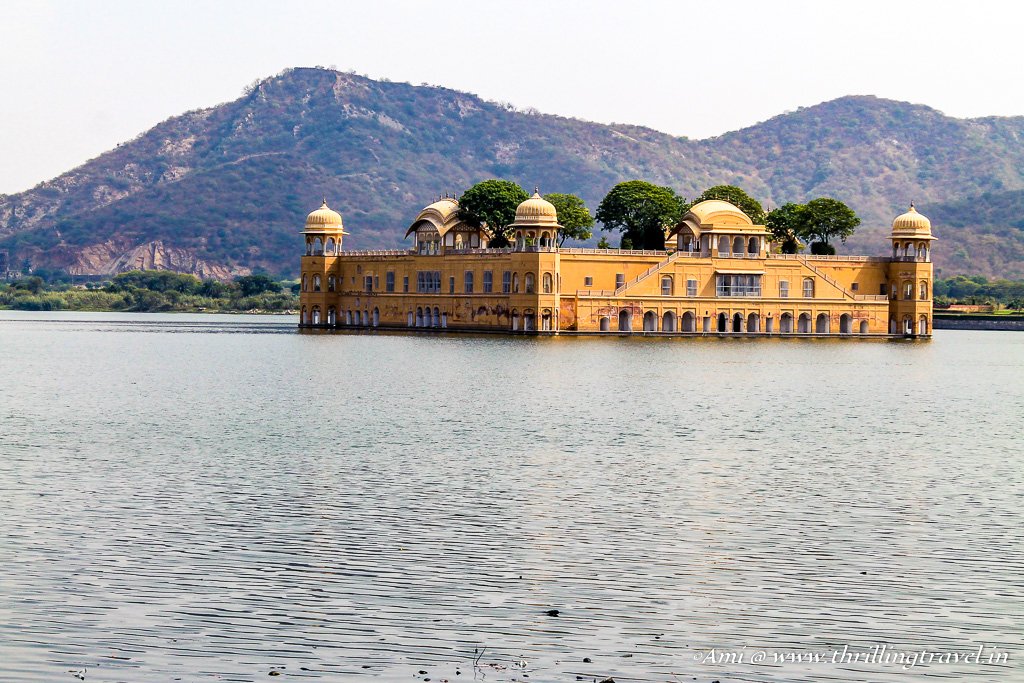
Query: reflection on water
[[183, 501]]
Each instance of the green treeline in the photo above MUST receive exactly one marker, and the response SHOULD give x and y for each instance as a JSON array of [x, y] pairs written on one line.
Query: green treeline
[[149, 291], [976, 289]]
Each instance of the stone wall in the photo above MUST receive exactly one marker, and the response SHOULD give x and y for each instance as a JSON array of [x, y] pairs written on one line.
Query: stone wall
[[977, 322]]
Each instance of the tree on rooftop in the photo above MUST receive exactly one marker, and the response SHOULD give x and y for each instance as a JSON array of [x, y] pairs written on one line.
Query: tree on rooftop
[[642, 212], [824, 219], [573, 216], [737, 197], [785, 225], [492, 203]]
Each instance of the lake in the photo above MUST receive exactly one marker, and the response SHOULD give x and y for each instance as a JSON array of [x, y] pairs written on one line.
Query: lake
[[223, 498]]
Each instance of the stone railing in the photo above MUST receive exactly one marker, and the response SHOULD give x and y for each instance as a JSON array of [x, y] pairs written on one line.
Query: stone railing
[[828, 257], [376, 252], [619, 252]]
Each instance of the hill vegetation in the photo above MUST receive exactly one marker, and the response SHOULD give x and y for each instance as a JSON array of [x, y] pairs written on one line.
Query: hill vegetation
[[222, 191]]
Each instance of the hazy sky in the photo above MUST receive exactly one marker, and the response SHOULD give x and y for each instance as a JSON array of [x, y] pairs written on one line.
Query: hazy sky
[[78, 77]]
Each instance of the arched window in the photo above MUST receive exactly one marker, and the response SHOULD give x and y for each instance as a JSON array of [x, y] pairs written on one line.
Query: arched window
[[863, 326], [605, 324], [920, 251], [753, 323], [304, 317], [650, 321], [317, 283], [666, 285], [668, 321], [419, 317], [515, 283], [548, 282], [737, 246], [529, 320], [305, 283], [737, 321], [908, 290], [845, 323], [808, 287], [922, 325], [786, 323], [803, 324], [723, 246], [332, 283], [437, 317], [625, 320], [309, 247], [923, 291], [376, 317], [530, 283], [318, 247], [752, 246], [689, 322], [723, 322], [332, 316], [410, 320], [316, 315], [330, 245], [822, 324]]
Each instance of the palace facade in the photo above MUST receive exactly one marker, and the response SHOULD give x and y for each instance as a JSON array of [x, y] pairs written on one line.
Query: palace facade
[[717, 276]]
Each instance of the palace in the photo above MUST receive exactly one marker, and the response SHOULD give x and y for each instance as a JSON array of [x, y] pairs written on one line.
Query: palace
[[717, 275]]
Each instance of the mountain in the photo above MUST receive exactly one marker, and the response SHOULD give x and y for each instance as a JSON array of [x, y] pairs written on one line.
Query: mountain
[[224, 190]]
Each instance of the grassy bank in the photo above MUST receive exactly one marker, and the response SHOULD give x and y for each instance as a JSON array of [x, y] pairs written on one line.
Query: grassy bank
[[153, 291]]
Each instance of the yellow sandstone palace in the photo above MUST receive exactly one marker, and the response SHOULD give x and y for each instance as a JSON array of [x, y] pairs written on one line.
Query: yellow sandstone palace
[[719, 276]]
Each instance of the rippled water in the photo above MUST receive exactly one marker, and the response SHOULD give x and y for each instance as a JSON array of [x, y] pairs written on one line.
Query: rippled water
[[216, 498]]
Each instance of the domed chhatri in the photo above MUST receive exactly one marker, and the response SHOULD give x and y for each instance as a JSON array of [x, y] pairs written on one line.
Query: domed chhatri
[[912, 224], [324, 232], [536, 224], [536, 212], [438, 227], [324, 217]]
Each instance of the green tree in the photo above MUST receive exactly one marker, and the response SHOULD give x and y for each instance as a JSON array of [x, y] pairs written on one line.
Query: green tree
[[641, 211], [32, 284], [826, 218], [252, 285], [603, 243], [737, 197], [573, 216], [785, 225], [492, 203], [156, 281]]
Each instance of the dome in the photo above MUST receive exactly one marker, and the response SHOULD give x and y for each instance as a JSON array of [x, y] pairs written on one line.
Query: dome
[[536, 212], [323, 218], [442, 214], [912, 224], [445, 207], [719, 212]]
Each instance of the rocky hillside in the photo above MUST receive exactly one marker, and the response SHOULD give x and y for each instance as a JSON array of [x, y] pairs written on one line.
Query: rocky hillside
[[224, 190]]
